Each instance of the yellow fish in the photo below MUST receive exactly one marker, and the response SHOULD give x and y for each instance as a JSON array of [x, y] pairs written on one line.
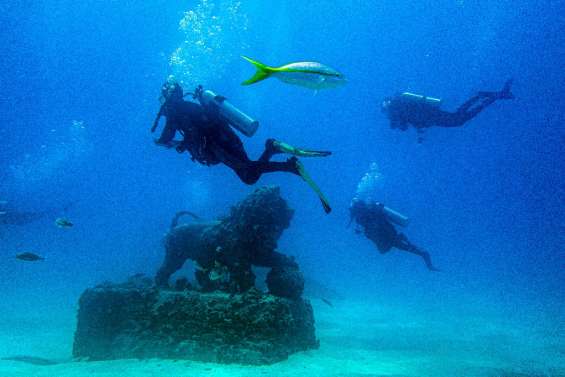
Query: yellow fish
[[310, 75]]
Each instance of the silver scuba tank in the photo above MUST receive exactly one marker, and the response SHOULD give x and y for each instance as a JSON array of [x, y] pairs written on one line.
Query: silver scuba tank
[[231, 114], [419, 98], [395, 217]]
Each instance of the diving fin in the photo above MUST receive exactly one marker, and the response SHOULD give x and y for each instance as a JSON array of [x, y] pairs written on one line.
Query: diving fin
[[302, 172], [263, 71], [505, 93], [279, 146]]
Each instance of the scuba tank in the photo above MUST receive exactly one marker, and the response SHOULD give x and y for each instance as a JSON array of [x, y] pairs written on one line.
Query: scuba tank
[[228, 112], [435, 102], [395, 217]]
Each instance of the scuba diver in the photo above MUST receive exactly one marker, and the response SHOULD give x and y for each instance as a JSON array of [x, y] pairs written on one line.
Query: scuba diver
[[209, 139], [423, 112], [376, 220]]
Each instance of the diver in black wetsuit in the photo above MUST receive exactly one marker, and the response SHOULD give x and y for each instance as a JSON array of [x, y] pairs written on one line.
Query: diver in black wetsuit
[[210, 140], [423, 112], [375, 225]]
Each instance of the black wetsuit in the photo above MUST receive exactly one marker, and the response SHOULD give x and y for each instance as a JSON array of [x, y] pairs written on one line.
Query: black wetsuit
[[376, 227], [403, 112], [210, 141]]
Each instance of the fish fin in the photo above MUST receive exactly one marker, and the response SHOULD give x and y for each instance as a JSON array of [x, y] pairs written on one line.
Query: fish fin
[[263, 71]]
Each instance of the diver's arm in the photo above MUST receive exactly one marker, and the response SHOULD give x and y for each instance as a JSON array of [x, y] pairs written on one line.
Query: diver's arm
[[167, 136]]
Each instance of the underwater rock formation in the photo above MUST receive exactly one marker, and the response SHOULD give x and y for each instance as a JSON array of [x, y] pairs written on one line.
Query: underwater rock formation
[[227, 320], [225, 250], [285, 282], [139, 320]]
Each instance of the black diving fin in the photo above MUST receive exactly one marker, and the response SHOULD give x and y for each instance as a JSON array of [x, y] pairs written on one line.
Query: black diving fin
[[506, 93]]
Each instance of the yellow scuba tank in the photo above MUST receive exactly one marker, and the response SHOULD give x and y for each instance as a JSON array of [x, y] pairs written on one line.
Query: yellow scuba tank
[[228, 112], [421, 99]]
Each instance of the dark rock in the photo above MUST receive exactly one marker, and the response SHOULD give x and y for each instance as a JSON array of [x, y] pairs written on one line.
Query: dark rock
[[285, 282], [132, 322]]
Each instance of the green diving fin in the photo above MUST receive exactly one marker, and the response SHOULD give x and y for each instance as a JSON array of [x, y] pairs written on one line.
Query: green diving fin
[[302, 172], [263, 71], [287, 148]]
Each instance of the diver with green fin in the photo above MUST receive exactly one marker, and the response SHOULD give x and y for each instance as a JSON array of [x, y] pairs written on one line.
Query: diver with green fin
[[208, 137]]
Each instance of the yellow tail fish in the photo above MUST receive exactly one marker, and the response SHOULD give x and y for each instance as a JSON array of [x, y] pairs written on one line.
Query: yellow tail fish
[[311, 75]]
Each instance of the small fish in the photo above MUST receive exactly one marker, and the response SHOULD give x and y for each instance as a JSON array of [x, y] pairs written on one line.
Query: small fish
[[327, 302], [62, 222], [29, 257], [311, 75]]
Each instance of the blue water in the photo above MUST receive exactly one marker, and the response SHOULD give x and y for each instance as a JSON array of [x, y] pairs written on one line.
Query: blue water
[[80, 82]]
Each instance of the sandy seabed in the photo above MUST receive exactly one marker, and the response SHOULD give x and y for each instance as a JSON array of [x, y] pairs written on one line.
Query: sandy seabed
[[356, 339]]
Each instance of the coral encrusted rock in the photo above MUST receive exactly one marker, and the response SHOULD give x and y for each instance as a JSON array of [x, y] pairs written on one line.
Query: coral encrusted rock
[[141, 321]]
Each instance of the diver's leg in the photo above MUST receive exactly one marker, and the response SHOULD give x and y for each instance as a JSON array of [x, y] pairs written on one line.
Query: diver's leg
[[234, 156], [426, 256], [505, 93], [250, 171], [402, 243], [470, 113], [470, 102], [255, 169], [229, 149], [269, 151], [464, 113], [470, 108]]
